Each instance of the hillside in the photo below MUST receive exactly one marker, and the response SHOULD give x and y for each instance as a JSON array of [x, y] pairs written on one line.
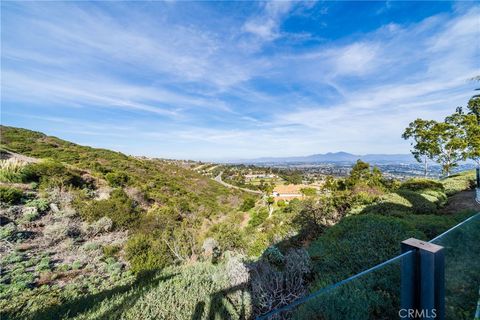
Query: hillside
[[89, 233], [159, 182], [92, 214]]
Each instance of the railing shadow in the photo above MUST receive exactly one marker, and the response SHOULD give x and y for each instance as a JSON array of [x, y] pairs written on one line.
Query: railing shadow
[[221, 305], [144, 281]]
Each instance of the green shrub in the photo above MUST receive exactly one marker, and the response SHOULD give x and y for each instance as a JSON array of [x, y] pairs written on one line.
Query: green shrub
[[357, 243], [309, 192], [406, 201], [110, 250], [50, 174], [14, 257], [117, 179], [228, 235], [353, 245], [274, 256], [363, 195], [421, 204], [202, 286], [258, 217], [145, 252], [41, 204], [439, 197], [185, 291], [431, 225], [64, 267], [10, 195], [114, 268], [122, 210], [247, 204], [8, 231], [432, 199], [459, 182], [260, 242], [30, 214], [91, 246], [419, 184], [21, 280], [281, 203], [43, 265], [293, 206]]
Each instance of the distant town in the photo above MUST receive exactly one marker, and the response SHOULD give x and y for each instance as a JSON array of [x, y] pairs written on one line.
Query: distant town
[[285, 181]]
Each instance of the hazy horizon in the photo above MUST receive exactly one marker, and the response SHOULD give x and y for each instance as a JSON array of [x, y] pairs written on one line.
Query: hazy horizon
[[254, 79]]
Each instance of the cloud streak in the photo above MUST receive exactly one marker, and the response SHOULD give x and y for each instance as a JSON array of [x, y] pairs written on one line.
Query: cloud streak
[[236, 86]]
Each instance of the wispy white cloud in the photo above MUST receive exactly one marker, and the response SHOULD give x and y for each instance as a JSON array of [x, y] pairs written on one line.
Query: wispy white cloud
[[266, 25], [357, 58], [374, 115], [199, 90], [74, 93]]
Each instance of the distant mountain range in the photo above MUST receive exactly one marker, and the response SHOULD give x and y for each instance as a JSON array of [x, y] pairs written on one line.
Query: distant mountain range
[[334, 157]]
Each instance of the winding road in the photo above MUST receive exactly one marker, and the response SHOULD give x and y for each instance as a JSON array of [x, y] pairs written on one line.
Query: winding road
[[218, 178]]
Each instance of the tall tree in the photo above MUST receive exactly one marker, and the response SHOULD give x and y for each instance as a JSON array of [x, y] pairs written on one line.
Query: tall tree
[[424, 143], [470, 124], [450, 142], [474, 134], [360, 173], [474, 107]]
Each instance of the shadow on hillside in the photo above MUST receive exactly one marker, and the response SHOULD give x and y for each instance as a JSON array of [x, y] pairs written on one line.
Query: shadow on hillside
[[144, 282], [225, 304], [419, 205], [374, 297], [257, 287]]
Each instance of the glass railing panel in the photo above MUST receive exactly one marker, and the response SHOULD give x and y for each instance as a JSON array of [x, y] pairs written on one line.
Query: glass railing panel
[[372, 294], [462, 268], [375, 293]]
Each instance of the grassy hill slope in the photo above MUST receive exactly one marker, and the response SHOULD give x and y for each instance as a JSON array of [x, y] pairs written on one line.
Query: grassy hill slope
[[159, 181], [89, 233]]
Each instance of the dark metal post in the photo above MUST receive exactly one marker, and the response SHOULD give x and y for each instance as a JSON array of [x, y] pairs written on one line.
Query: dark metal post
[[478, 177], [423, 281]]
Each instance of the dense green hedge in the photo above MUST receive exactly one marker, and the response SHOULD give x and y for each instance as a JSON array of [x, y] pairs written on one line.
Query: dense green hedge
[[419, 184], [459, 182], [357, 243], [405, 201]]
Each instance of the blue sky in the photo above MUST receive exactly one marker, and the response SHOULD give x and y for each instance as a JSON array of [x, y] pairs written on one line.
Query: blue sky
[[226, 80]]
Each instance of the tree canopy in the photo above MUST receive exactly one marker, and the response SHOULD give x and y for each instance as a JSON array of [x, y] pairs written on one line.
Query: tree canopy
[[448, 142]]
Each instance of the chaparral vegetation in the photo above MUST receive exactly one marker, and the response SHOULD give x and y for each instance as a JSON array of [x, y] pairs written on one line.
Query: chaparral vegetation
[[90, 233]]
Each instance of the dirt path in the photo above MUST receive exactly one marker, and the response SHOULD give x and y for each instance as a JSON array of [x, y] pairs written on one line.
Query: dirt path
[[211, 168], [461, 201], [219, 180], [201, 166]]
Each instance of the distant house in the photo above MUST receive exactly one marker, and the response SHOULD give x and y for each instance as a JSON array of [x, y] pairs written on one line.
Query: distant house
[[288, 192]]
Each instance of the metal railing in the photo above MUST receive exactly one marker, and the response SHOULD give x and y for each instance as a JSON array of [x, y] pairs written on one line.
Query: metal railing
[[423, 279]]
